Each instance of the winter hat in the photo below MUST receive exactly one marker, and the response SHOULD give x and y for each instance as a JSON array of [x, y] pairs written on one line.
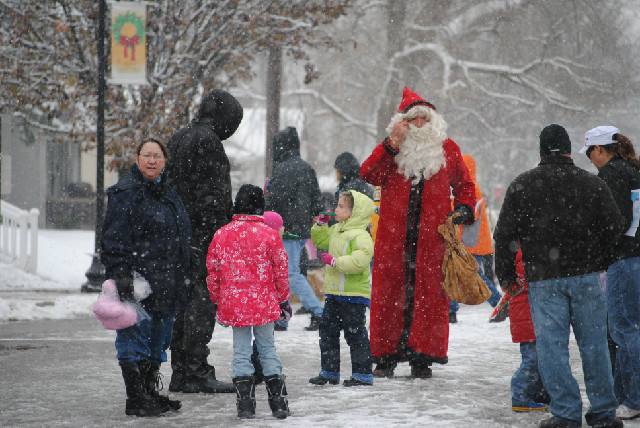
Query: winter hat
[[411, 99], [249, 200], [554, 140], [113, 313], [599, 136], [273, 220], [286, 142], [347, 164]]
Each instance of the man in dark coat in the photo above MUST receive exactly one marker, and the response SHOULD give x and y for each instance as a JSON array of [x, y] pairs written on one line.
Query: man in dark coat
[[348, 172], [200, 172], [294, 193], [565, 220]]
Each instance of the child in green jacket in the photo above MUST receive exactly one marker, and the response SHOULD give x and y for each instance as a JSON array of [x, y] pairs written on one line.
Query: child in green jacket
[[347, 288]]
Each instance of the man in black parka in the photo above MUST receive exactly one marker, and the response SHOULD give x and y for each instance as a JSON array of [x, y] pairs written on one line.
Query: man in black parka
[[294, 193], [200, 172]]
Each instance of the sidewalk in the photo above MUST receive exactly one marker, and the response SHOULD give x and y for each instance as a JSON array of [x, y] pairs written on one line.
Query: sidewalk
[[63, 373]]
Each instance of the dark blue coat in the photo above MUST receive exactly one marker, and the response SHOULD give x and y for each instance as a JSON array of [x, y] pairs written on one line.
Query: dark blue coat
[[146, 229]]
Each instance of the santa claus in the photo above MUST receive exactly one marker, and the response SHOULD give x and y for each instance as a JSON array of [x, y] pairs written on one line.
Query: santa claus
[[418, 168]]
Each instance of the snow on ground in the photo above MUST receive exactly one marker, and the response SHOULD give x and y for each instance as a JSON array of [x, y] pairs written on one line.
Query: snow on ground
[[472, 390]]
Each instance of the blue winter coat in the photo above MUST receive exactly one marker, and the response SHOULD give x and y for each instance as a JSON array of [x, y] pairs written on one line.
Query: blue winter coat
[[146, 229]]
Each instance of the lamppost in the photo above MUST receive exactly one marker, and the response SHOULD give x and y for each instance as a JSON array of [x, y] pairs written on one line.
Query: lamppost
[[95, 275]]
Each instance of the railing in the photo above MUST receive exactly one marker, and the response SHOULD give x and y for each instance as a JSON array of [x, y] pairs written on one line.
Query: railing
[[19, 230]]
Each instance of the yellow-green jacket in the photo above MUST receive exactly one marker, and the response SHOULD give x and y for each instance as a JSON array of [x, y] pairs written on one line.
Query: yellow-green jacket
[[350, 243]]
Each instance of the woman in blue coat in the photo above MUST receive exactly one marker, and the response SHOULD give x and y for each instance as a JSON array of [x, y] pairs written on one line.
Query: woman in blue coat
[[146, 232]]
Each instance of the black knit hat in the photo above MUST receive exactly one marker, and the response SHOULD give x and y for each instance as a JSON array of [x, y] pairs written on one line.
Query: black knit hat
[[554, 140], [249, 200]]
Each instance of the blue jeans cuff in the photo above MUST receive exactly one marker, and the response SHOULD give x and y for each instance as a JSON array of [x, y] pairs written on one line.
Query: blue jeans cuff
[[366, 378], [334, 376]]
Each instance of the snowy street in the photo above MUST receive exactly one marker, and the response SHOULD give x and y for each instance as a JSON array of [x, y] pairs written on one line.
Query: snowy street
[[63, 372]]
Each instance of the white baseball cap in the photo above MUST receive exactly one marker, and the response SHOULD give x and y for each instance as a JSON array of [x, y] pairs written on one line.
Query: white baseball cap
[[599, 136]]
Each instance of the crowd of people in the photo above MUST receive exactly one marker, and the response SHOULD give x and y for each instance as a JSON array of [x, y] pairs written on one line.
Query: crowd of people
[[566, 253]]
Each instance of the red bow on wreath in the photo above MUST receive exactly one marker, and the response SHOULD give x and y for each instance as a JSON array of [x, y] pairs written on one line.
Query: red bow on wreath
[[130, 42]]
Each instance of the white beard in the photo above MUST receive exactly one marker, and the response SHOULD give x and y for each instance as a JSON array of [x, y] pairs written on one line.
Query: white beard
[[421, 153]]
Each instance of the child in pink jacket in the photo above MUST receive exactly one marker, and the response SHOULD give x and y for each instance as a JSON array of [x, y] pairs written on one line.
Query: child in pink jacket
[[248, 280]]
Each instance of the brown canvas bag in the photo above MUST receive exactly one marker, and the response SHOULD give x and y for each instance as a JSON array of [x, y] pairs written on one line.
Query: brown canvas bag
[[461, 280]]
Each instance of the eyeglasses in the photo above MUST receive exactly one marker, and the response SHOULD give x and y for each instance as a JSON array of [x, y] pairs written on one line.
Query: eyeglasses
[[589, 151], [148, 156]]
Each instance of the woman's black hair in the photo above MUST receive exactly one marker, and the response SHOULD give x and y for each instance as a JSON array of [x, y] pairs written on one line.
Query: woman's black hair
[[165, 152]]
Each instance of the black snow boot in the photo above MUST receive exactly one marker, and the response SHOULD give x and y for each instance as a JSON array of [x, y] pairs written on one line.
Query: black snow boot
[[277, 396], [139, 403], [314, 325], [201, 377], [151, 377], [177, 372], [245, 396]]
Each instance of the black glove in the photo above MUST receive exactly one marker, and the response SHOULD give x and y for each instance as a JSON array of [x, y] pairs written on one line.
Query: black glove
[[285, 311], [125, 288], [466, 214]]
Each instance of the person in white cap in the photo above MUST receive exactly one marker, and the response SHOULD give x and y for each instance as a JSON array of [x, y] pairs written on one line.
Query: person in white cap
[[618, 165]]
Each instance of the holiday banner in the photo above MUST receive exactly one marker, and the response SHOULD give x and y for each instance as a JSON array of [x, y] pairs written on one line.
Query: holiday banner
[[128, 43]]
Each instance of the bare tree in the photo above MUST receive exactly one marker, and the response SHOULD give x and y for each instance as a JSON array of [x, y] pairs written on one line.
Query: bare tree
[[48, 60]]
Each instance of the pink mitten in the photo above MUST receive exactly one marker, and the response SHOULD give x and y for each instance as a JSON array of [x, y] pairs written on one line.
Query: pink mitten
[[323, 219], [328, 259]]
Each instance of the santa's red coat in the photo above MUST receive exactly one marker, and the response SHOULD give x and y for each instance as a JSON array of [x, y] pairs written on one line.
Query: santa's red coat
[[429, 323]]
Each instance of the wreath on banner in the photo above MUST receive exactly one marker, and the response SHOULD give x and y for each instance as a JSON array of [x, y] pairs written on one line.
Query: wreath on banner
[[129, 31]]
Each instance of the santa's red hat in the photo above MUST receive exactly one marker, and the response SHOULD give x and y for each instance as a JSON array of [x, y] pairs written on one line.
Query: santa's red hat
[[411, 99]]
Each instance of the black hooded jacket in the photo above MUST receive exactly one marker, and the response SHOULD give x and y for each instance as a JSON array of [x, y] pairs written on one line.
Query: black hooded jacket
[[564, 219], [349, 168], [293, 190], [199, 167]]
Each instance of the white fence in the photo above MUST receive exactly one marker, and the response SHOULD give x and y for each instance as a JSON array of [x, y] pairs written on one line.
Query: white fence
[[19, 243]]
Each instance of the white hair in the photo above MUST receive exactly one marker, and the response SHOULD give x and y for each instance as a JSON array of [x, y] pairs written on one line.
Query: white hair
[[421, 154]]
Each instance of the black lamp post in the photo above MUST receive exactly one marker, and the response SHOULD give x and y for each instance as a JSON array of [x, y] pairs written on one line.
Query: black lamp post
[[95, 275]]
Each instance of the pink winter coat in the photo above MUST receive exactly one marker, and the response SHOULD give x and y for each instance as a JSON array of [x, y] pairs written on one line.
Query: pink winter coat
[[248, 274]]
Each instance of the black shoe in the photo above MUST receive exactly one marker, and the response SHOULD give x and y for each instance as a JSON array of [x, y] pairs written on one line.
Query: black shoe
[[177, 381], [302, 311], [453, 318], [315, 323], [552, 423], [202, 378], [502, 314], [279, 327], [355, 382], [421, 372], [384, 370], [321, 380]]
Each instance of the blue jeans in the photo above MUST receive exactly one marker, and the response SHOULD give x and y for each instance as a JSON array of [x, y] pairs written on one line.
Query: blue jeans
[[298, 284], [351, 318], [557, 305], [243, 348], [526, 383], [623, 303], [495, 297], [146, 340]]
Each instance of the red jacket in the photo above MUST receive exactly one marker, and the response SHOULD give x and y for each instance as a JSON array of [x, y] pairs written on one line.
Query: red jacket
[[429, 320], [248, 275], [519, 311]]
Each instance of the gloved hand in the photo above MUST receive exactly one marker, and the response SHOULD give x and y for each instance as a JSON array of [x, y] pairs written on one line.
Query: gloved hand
[[466, 214], [221, 323], [323, 219], [514, 288], [285, 311], [125, 288], [328, 259]]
